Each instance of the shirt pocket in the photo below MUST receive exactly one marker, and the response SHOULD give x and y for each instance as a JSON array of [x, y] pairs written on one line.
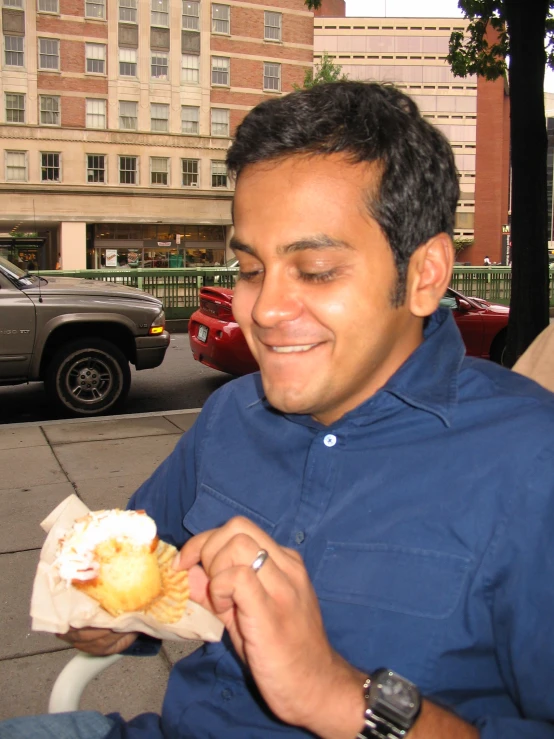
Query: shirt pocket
[[212, 509], [410, 581]]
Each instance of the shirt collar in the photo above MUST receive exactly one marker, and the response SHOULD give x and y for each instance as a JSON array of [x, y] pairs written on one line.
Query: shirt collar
[[427, 380]]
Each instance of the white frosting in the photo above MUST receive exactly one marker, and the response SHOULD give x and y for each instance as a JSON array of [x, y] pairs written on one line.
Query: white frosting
[[76, 560]]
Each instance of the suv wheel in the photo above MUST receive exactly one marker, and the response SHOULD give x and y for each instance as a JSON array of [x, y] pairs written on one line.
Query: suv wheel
[[88, 377]]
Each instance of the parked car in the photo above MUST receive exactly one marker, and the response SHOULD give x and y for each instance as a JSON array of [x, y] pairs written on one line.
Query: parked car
[[78, 336], [217, 341]]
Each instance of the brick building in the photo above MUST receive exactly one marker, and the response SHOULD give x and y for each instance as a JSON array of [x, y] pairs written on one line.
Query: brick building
[[472, 112], [115, 120]]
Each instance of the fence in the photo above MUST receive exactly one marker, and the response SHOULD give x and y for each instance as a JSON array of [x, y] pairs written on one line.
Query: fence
[[178, 288]]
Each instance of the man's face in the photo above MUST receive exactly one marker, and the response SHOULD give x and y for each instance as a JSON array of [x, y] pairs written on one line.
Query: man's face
[[316, 279]]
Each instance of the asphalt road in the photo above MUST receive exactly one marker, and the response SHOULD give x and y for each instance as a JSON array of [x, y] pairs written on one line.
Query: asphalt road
[[178, 383]]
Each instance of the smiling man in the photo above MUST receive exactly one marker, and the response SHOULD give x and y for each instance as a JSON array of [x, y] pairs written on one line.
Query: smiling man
[[375, 531]]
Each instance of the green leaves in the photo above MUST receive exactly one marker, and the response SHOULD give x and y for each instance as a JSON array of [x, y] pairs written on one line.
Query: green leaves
[[324, 71]]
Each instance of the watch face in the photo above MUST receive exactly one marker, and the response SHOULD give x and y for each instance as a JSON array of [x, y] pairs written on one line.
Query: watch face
[[398, 699]]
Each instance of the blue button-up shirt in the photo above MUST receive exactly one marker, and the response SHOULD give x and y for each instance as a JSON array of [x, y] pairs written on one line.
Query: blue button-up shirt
[[425, 518]]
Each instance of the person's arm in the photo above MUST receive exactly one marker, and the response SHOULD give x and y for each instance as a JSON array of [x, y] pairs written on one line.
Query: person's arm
[[274, 620]]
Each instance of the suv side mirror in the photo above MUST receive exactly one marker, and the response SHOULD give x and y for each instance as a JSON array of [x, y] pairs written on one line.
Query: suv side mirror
[[463, 304]]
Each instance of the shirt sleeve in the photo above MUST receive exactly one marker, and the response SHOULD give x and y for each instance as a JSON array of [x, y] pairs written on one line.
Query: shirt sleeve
[[521, 590]]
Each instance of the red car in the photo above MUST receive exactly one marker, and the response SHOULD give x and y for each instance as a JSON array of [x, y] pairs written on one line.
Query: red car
[[217, 341]]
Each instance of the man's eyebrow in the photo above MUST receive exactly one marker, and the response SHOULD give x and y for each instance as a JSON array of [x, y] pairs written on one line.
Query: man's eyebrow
[[318, 241], [237, 245]]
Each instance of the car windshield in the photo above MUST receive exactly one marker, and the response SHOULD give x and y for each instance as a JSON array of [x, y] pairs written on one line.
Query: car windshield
[[15, 272]]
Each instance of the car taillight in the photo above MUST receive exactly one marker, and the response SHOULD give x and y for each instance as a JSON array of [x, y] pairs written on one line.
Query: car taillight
[[216, 308]]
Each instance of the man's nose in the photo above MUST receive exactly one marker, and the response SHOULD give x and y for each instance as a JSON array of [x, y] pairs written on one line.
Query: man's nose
[[277, 301]]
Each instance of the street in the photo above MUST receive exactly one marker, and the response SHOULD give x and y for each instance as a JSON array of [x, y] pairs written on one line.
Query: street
[[178, 383]]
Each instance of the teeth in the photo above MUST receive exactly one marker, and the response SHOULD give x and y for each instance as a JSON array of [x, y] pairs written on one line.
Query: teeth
[[290, 349]]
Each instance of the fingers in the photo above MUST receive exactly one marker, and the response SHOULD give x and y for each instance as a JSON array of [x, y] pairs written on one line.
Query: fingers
[[99, 642], [246, 538]]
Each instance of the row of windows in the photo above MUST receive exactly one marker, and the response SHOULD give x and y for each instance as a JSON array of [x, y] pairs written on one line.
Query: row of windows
[[96, 114], [16, 163], [95, 63], [159, 14]]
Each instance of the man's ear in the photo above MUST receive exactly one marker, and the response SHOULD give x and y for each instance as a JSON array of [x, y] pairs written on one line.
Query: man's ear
[[429, 274]]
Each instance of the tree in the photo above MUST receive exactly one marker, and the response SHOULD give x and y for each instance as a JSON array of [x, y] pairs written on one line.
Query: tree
[[517, 45], [518, 49], [323, 71]]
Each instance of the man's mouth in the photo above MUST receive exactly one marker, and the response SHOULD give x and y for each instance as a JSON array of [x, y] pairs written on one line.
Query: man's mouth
[[292, 349]]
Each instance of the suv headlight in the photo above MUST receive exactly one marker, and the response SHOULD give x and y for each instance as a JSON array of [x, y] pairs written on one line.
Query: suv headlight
[[158, 324]]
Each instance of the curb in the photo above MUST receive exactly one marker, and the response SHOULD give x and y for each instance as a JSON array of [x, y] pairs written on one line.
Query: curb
[[97, 419]]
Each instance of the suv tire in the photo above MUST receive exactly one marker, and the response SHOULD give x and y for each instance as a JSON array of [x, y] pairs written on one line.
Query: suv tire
[[88, 377]]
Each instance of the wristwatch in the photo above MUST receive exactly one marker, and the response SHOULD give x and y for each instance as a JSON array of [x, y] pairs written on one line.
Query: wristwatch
[[392, 705]]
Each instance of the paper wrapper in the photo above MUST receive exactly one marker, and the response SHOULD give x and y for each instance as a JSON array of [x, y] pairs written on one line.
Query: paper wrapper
[[55, 607]]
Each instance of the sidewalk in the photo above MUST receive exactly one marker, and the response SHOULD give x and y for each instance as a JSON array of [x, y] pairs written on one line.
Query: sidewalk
[[103, 461]]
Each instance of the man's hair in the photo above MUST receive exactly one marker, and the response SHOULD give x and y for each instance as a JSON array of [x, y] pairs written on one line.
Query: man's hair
[[418, 189]]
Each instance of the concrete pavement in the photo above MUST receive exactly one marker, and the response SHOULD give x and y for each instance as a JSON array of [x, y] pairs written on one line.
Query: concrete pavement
[[103, 461]]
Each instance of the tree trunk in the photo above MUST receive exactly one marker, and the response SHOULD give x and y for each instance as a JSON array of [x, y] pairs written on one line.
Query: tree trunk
[[529, 302]]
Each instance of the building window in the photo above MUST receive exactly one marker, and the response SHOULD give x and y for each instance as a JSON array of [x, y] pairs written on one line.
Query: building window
[[13, 4], [190, 68], [95, 8], [190, 116], [49, 110], [160, 13], [191, 15], [127, 62], [13, 51], [159, 66], [128, 174], [96, 168], [189, 168], [220, 70], [220, 122], [272, 26], [221, 18], [16, 166], [128, 11], [128, 115], [272, 76], [48, 6], [159, 117], [159, 170], [15, 108], [50, 170], [95, 55], [96, 114], [219, 174], [48, 53]]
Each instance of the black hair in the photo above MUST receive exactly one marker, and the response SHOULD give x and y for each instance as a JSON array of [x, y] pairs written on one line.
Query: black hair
[[369, 122]]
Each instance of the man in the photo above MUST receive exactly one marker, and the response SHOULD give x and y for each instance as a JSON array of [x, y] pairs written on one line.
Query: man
[[355, 461]]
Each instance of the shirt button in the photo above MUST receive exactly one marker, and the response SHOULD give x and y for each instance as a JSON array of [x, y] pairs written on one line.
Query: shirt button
[[330, 440], [226, 694], [299, 537]]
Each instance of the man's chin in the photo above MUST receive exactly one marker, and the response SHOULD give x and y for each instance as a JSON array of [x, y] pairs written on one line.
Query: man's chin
[[286, 400]]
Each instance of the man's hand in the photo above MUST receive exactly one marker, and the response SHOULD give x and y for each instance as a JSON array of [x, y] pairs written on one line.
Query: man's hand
[[274, 621], [99, 642]]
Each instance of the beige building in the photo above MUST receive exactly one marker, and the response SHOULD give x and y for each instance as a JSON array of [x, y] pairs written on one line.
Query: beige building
[[411, 53], [116, 117]]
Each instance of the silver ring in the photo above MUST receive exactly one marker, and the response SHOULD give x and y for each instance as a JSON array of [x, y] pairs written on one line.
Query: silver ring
[[261, 557]]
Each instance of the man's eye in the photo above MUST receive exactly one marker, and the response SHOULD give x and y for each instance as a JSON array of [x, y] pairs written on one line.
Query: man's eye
[[249, 276], [318, 276]]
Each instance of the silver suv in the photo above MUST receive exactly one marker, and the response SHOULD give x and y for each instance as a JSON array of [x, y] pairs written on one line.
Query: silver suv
[[78, 336]]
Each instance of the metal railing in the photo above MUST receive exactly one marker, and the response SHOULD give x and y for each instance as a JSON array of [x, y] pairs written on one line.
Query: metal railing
[[178, 288]]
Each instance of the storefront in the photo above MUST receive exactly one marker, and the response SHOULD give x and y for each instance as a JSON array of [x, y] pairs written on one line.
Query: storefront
[[156, 246], [24, 251]]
